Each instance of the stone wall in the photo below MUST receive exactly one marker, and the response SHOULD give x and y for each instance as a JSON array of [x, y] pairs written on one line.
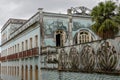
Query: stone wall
[[100, 56]]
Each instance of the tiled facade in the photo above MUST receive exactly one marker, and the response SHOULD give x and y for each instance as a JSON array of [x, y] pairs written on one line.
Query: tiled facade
[[28, 46]]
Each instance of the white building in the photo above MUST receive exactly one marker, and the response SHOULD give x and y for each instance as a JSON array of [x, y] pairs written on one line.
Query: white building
[[25, 43]]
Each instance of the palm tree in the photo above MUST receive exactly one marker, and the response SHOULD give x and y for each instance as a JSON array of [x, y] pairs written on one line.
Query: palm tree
[[104, 16], [106, 25]]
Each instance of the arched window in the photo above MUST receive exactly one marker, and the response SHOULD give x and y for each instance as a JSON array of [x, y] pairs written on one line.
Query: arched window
[[12, 71], [83, 37], [36, 41], [15, 49], [26, 73], [31, 74], [18, 71], [36, 72], [22, 46], [30, 43], [15, 71], [18, 48], [22, 73], [26, 44], [60, 38]]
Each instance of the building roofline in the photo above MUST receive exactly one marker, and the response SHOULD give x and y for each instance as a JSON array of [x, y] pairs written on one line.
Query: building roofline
[[44, 14], [14, 21], [26, 21]]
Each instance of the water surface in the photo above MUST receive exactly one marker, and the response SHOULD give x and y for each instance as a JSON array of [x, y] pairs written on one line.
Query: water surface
[[55, 75]]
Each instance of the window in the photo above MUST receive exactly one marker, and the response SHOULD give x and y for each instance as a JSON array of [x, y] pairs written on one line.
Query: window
[[60, 37], [30, 43], [18, 47], [83, 37], [36, 41], [15, 49], [22, 46], [26, 44], [8, 51], [18, 71]]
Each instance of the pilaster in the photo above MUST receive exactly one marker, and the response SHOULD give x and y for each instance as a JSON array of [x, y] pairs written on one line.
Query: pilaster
[[41, 25], [70, 26]]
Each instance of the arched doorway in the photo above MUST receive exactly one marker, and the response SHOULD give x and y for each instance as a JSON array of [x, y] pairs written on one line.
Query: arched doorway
[[60, 37], [0, 69], [15, 71], [8, 70], [22, 73], [26, 73], [12, 71], [36, 72], [18, 71], [30, 72]]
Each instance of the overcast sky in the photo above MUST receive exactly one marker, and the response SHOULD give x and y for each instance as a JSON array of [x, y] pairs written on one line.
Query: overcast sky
[[24, 9]]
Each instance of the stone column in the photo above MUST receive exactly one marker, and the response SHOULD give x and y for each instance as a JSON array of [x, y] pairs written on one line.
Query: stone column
[[70, 26]]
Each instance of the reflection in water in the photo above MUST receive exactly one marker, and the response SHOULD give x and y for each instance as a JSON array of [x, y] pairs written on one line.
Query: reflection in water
[[54, 75], [60, 75]]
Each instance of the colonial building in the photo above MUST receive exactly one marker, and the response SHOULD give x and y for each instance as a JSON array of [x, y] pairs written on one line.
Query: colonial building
[[30, 46]]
